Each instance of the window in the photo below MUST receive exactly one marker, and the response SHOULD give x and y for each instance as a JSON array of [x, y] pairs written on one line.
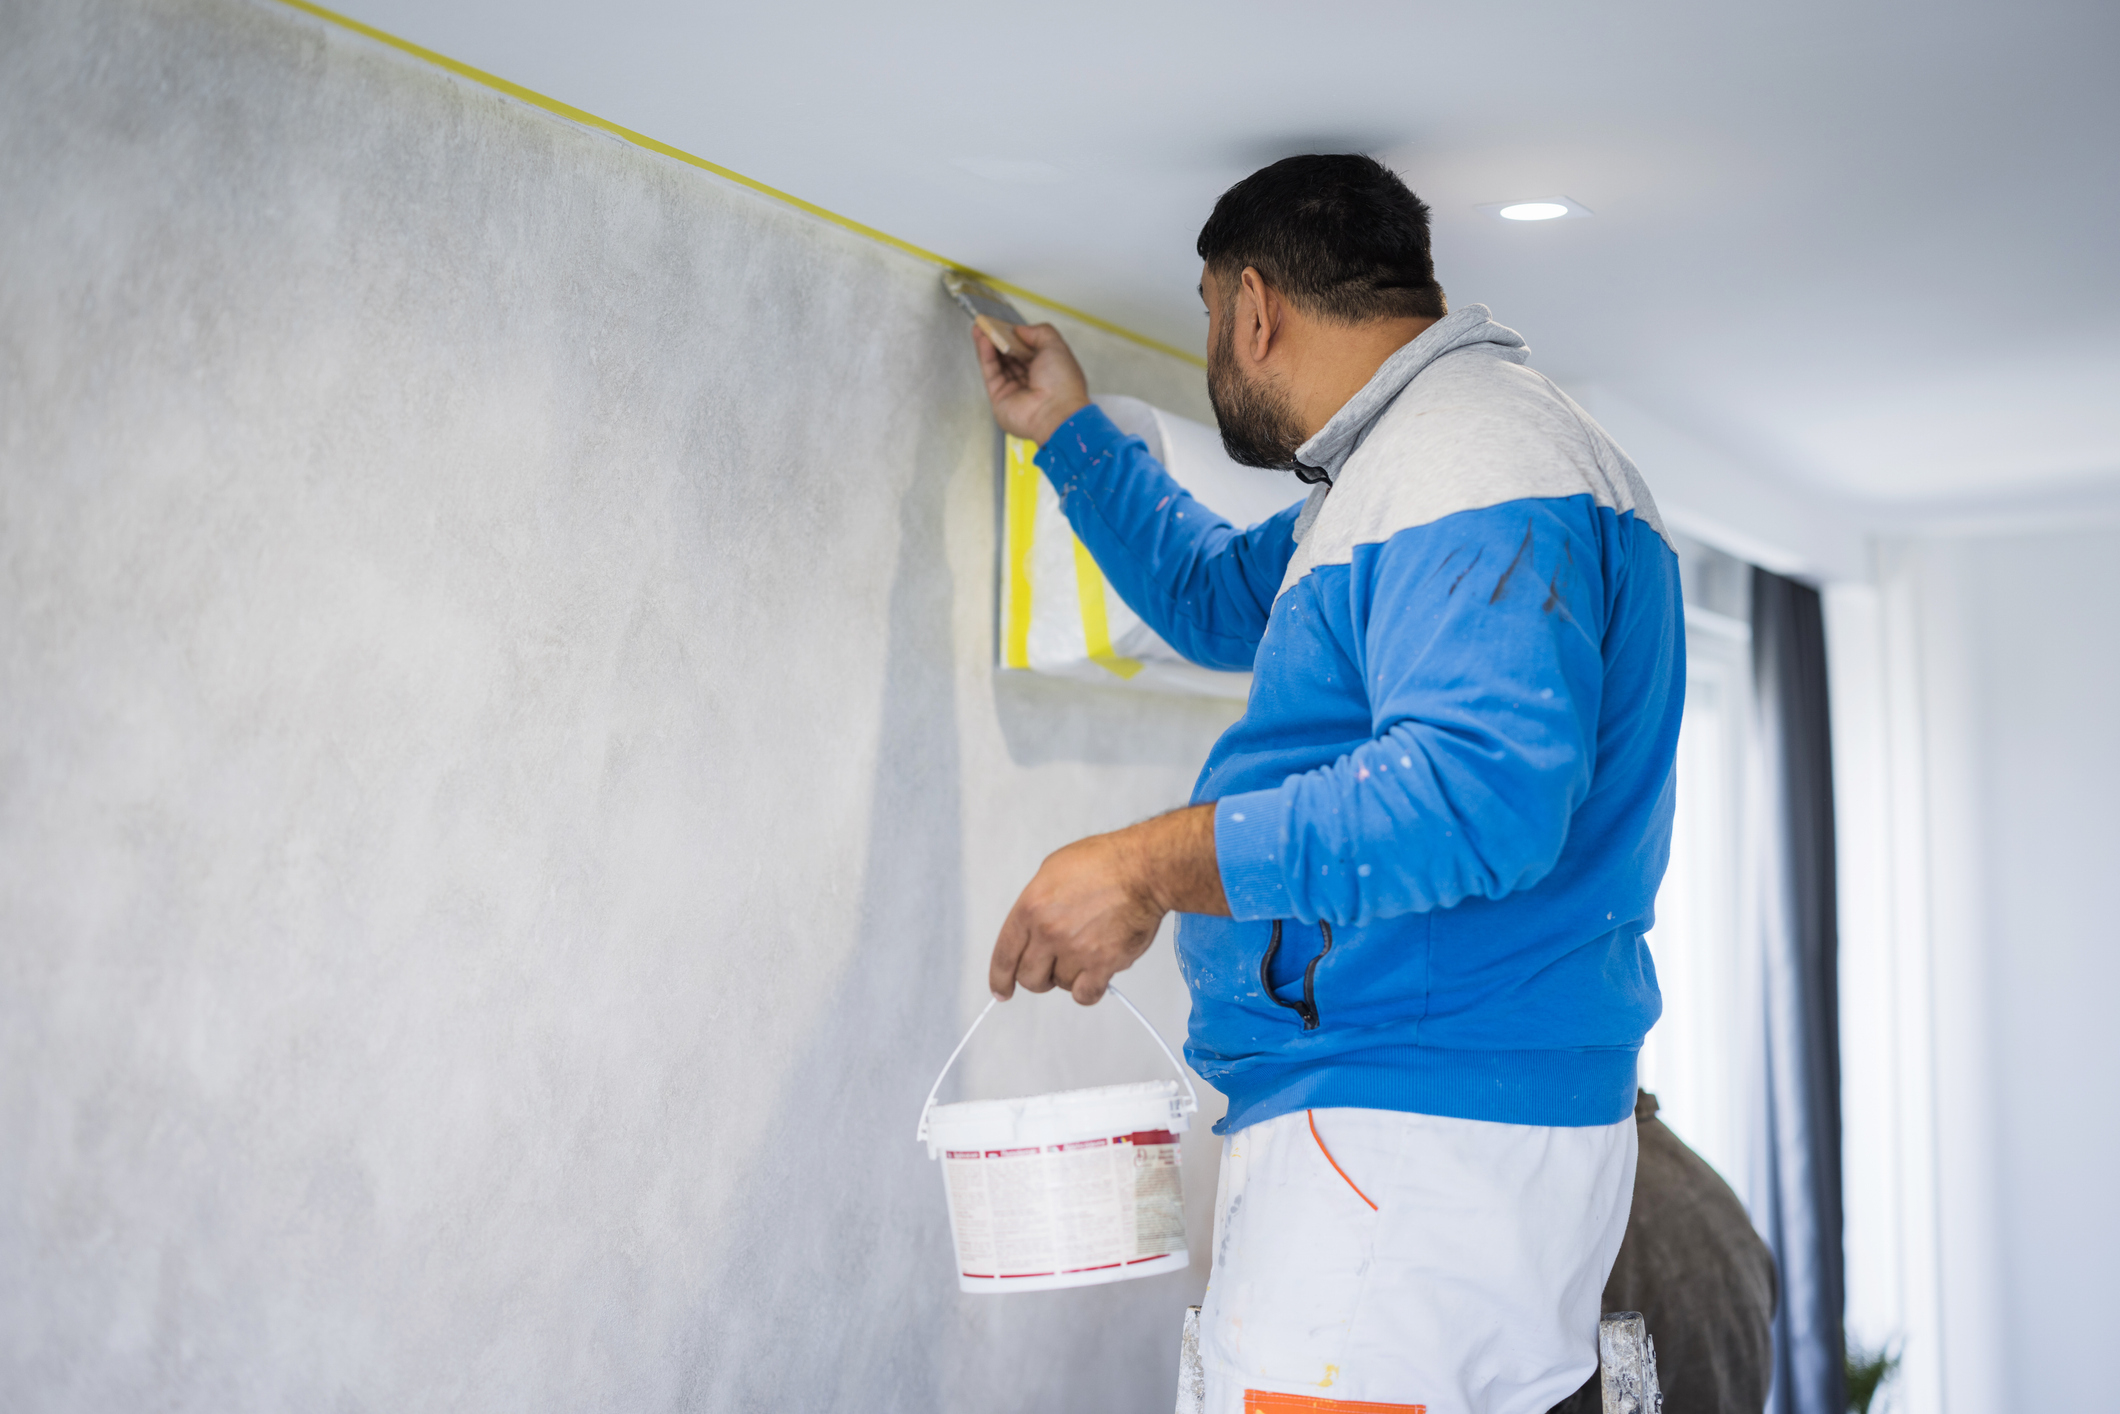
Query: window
[[1702, 1061]]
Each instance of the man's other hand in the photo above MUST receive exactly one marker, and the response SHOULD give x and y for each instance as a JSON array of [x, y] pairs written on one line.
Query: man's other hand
[[1033, 394], [1094, 907]]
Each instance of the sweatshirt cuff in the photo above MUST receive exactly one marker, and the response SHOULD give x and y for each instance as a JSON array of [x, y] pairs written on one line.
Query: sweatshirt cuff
[[1249, 834], [1085, 439]]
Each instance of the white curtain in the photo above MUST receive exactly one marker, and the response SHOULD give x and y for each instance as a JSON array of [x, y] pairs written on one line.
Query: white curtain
[[1744, 1060]]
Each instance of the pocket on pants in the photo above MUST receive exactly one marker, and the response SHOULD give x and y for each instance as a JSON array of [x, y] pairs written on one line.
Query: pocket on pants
[[1293, 1250]]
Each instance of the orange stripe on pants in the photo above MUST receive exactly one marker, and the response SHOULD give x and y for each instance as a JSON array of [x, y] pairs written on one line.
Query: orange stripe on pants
[[1259, 1401]]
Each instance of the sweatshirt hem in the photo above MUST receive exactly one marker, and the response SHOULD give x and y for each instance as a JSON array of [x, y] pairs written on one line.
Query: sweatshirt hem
[[1564, 1089]]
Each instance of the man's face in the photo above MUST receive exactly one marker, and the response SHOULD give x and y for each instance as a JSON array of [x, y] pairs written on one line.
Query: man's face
[[1257, 418]]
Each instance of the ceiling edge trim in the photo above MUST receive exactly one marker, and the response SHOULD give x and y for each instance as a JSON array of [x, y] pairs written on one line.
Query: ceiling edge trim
[[642, 140]]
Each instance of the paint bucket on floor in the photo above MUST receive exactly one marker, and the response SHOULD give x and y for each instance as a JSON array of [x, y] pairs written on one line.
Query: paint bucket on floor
[[1075, 1188]]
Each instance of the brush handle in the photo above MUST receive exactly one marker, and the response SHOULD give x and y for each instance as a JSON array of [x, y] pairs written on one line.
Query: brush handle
[[1004, 338]]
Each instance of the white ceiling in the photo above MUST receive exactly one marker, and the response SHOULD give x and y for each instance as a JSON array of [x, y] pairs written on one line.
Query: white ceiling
[[1864, 246]]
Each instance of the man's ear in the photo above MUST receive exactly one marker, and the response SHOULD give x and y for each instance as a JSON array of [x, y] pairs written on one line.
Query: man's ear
[[1260, 314]]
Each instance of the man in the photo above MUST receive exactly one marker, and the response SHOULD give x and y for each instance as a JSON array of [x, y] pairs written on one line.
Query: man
[[1417, 872]]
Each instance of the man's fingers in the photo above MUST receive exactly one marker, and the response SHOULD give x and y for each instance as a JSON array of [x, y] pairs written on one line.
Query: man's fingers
[[1005, 377], [1003, 374], [1075, 925], [1021, 957], [1035, 968], [1083, 971], [1008, 953], [1037, 336]]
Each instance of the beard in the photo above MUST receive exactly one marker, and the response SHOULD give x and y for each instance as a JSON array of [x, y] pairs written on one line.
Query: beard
[[1258, 423]]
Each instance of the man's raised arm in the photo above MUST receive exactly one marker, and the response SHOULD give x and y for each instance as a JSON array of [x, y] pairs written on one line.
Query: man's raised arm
[[1204, 585]]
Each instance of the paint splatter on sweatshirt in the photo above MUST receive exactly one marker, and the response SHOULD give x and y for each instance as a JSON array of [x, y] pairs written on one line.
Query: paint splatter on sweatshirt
[[1456, 763]]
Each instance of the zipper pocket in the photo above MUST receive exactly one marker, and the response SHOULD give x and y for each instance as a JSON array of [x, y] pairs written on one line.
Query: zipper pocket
[[1307, 1008]]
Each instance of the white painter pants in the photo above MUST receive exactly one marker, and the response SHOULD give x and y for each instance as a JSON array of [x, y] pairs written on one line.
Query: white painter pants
[[1368, 1260]]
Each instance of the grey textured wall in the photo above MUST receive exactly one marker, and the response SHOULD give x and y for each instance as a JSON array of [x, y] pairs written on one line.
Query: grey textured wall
[[503, 795]]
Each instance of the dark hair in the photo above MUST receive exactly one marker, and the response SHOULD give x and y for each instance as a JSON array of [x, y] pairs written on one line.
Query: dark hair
[[1339, 234]]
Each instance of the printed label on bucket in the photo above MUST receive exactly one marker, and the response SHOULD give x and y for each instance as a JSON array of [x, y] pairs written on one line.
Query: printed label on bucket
[[1061, 1208]]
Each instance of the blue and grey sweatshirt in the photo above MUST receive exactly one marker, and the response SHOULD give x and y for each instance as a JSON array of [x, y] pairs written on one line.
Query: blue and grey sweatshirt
[[1452, 786]]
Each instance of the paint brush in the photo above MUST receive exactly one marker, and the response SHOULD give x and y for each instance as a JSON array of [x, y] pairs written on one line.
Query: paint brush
[[988, 309]]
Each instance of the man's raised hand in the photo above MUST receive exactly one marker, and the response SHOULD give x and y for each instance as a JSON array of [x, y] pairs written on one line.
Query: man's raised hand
[[1032, 395]]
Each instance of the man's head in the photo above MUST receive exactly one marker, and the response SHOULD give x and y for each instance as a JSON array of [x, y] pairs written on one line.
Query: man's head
[[1321, 244]]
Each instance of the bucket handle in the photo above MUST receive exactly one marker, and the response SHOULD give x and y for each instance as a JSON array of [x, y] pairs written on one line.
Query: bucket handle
[[1192, 1096]]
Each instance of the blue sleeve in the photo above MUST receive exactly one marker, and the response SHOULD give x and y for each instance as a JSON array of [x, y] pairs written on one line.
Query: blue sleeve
[[1201, 583], [1479, 641]]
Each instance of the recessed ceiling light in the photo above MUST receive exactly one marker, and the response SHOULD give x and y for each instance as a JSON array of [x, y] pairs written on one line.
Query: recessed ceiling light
[[1541, 208]]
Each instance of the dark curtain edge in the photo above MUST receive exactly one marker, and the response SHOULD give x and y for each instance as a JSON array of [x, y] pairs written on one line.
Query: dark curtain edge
[[1789, 657]]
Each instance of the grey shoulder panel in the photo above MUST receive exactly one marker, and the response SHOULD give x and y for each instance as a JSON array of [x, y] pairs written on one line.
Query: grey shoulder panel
[[1471, 432]]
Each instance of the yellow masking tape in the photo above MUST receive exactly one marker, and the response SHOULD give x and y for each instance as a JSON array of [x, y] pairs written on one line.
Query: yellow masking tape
[[1096, 633], [590, 120], [1019, 504]]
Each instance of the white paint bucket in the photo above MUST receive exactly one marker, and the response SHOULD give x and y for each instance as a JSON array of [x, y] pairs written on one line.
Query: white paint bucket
[[1075, 1188]]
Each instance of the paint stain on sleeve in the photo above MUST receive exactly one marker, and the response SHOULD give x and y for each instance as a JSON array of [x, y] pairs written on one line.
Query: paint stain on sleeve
[[1523, 552]]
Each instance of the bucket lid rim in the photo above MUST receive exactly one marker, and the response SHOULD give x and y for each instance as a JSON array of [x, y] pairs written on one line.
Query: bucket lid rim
[[1135, 1090]]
